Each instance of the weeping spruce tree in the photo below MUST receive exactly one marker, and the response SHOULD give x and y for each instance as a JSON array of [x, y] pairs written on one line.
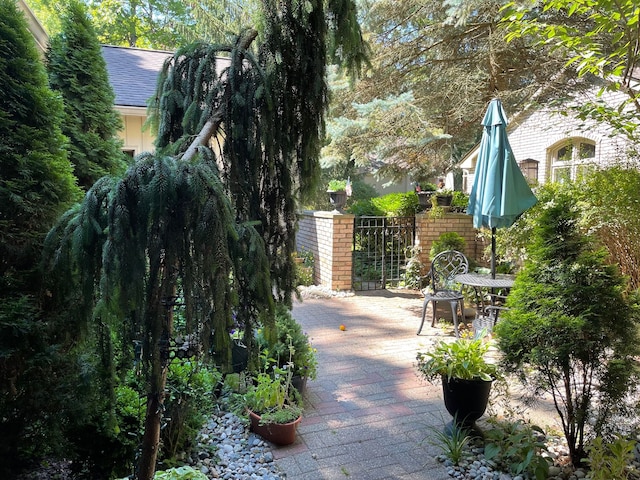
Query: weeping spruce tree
[[209, 220], [571, 332]]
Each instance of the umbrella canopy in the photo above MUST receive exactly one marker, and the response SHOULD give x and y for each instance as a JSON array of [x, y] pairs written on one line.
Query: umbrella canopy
[[500, 193]]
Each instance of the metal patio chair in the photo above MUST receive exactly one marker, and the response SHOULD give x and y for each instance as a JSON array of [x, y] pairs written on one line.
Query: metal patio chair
[[443, 287], [487, 318]]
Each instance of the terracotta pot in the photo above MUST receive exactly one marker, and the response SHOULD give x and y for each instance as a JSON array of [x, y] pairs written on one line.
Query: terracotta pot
[[278, 433]]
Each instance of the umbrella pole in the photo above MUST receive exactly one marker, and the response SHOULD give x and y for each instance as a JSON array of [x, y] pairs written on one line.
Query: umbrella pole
[[493, 252]]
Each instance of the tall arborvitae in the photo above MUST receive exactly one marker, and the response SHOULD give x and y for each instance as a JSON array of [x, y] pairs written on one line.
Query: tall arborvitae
[[36, 181], [78, 71], [36, 187]]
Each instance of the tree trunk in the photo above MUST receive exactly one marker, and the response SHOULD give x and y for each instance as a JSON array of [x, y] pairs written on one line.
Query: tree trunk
[[151, 437]]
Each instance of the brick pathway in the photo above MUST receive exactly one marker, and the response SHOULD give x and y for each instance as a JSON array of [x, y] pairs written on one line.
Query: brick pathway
[[367, 415]]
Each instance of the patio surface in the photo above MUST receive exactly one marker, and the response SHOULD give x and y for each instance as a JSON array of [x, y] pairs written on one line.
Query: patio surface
[[368, 415]]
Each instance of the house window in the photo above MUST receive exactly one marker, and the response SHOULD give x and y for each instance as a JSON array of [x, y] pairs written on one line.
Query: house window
[[128, 152], [529, 169], [573, 160]]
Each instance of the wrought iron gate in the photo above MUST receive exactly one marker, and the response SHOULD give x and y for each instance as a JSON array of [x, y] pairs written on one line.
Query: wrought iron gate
[[381, 247]]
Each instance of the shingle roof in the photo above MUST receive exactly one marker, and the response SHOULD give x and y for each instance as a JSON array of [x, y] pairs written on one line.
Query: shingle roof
[[133, 73]]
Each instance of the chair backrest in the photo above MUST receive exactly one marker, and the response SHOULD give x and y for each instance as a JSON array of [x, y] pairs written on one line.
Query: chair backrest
[[445, 266]]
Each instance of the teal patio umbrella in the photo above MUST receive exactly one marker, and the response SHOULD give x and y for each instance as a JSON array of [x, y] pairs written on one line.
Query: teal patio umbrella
[[500, 193]]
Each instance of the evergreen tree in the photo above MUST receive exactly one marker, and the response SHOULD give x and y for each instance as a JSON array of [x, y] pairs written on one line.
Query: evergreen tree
[[183, 225], [570, 331], [36, 181], [78, 71], [36, 187]]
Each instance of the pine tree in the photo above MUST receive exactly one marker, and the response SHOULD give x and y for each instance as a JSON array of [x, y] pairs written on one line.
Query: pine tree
[[78, 71]]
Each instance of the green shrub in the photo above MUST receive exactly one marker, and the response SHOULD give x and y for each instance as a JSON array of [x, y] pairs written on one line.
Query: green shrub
[[305, 267], [517, 447], [336, 185], [413, 272], [189, 399], [180, 473], [570, 330], [447, 241], [611, 461], [362, 208], [397, 204], [292, 342]]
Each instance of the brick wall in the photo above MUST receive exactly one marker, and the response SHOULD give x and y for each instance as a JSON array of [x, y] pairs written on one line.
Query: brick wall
[[429, 229], [329, 236]]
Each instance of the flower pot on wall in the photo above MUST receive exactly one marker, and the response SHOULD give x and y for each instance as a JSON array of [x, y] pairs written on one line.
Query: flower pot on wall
[[338, 199], [424, 199], [278, 433], [465, 400], [444, 200]]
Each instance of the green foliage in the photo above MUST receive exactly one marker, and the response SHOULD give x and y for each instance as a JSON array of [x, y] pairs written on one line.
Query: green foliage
[[609, 199], [463, 359], [459, 202], [292, 346], [447, 241], [516, 447], [336, 185], [78, 72], [189, 399], [414, 270], [36, 178], [180, 473], [570, 331], [361, 208], [611, 461], [597, 38], [273, 398], [396, 204], [305, 265], [452, 441]]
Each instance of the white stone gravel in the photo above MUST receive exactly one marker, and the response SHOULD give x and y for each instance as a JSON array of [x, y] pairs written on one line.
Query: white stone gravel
[[227, 450]]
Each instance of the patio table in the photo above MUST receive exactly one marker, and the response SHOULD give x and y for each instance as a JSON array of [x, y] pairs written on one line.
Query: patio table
[[480, 281]]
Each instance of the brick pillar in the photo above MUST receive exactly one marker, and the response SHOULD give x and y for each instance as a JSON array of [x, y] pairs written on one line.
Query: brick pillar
[[329, 236]]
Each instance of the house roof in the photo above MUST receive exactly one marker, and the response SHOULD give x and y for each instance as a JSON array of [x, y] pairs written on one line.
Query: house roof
[[133, 73]]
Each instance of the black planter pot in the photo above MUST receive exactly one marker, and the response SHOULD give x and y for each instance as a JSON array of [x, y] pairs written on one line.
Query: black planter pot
[[337, 199], [444, 200], [239, 356], [465, 400], [424, 199]]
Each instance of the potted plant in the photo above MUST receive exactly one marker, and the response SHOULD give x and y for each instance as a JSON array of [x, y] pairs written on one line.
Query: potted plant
[[466, 376], [444, 197], [337, 190], [274, 408], [424, 192]]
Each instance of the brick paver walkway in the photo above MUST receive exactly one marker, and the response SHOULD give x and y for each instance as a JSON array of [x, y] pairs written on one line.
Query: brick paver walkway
[[368, 415]]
